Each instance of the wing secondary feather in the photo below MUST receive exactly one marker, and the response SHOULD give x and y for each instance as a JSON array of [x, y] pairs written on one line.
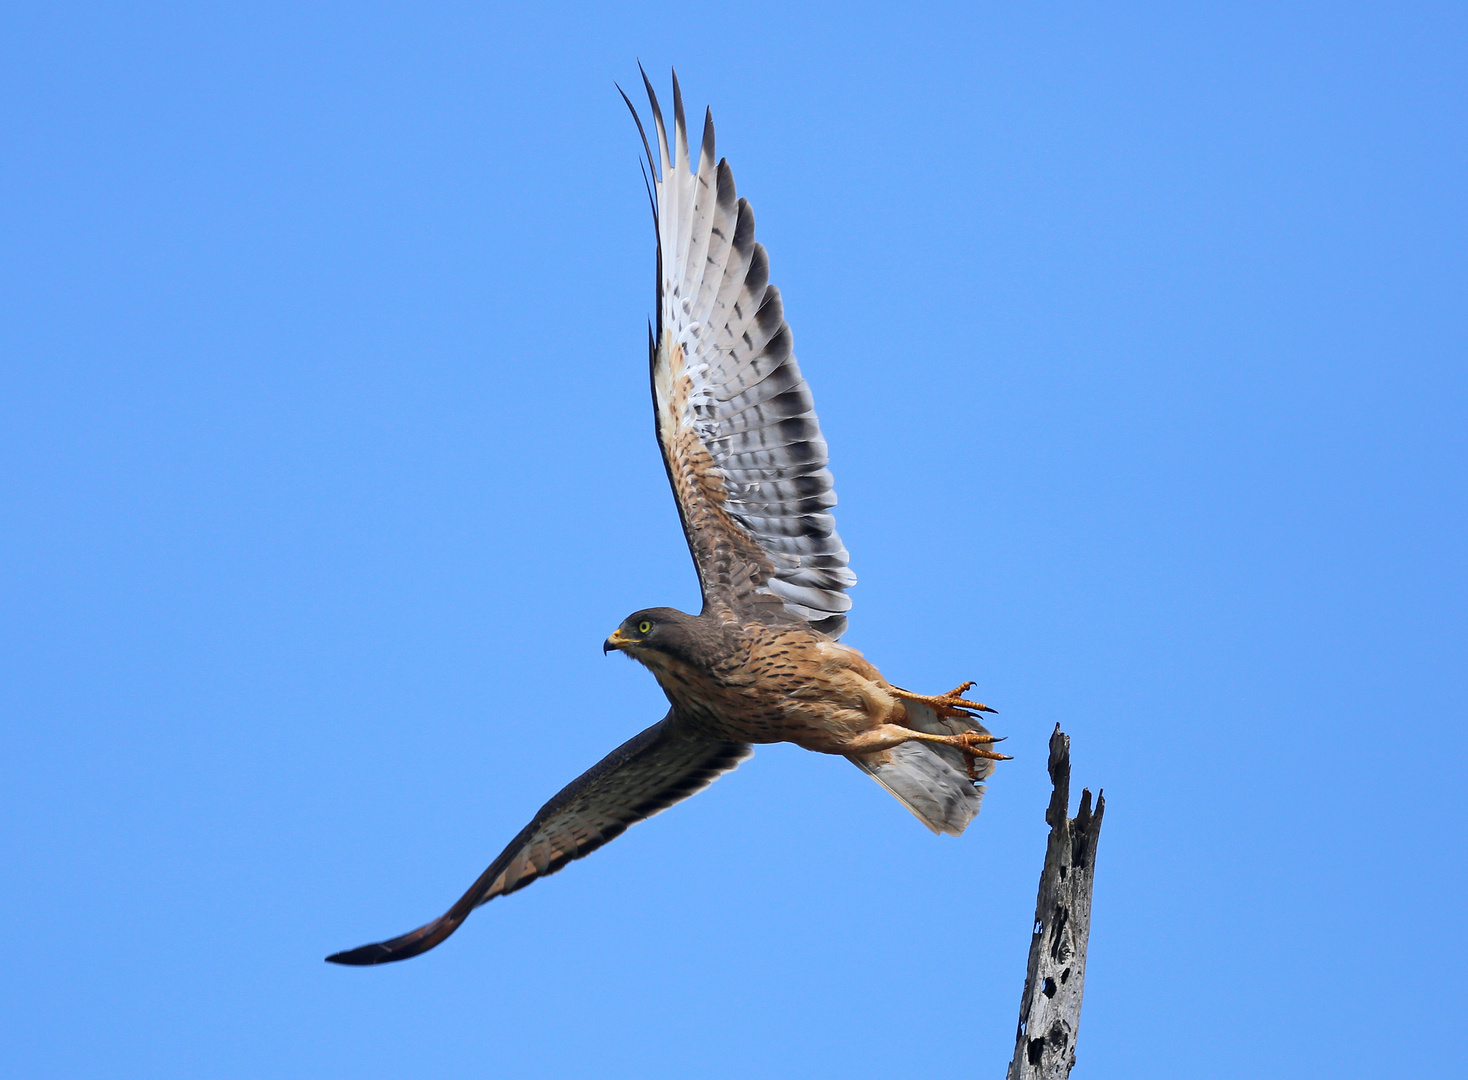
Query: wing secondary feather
[[647, 774]]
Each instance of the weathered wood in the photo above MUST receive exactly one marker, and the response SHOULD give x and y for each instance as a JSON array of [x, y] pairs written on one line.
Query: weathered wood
[[1050, 1009]]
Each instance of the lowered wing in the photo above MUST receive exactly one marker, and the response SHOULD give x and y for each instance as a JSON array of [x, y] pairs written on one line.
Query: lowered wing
[[645, 775]]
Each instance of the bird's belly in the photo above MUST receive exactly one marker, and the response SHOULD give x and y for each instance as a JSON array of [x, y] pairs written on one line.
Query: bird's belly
[[819, 708]]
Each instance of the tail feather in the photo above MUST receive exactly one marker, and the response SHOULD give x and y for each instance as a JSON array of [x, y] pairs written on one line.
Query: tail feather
[[930, 780]]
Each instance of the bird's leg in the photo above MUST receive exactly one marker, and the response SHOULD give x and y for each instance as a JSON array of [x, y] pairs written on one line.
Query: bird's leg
[[970, 742], [949, 704]]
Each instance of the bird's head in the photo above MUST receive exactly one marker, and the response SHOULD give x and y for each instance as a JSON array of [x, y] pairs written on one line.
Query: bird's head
[[654, 632]]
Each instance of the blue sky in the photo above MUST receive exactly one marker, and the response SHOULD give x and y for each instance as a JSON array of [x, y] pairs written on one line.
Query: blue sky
[[1137, 333]]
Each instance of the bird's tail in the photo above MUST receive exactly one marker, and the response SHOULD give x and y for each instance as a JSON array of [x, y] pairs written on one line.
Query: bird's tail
[[929, 779]]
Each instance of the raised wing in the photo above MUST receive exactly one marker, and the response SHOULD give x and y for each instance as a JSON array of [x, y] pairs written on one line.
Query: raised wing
[[738, 431], [645, 775]]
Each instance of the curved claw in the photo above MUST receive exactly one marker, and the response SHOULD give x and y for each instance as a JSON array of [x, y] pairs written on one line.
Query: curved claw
[[952, 700]]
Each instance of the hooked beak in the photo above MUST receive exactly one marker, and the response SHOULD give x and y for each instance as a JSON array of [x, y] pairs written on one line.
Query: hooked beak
[[618, 640]]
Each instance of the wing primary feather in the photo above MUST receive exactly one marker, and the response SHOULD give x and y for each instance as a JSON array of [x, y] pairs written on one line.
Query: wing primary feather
[[680, 130], [721, 238], [700, 225], [651, 198], [646, 147], [651, 166], [669, 202], [684, 190], [657, 119]]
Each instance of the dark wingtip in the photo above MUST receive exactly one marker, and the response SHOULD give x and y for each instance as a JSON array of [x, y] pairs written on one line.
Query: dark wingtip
[[363, 957], [680, 127], [414, 942]]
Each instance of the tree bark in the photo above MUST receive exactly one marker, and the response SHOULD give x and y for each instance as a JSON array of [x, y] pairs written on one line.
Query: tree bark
[[1050, 1008]]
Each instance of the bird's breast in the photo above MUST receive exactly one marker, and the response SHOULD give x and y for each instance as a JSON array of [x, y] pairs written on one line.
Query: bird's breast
[[789, 686]]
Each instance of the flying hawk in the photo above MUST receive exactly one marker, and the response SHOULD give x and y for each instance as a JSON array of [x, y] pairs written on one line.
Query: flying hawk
[[761, 662]]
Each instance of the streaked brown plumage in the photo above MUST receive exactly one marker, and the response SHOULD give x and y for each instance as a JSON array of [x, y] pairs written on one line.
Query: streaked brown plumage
[[775, 681], [761, 663]]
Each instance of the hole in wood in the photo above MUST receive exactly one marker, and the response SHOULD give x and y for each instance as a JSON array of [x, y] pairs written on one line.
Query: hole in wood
[[1048, 989], [1057, 940]]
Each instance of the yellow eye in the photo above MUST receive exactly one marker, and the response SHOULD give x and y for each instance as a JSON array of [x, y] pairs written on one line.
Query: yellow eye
[[644, 627]]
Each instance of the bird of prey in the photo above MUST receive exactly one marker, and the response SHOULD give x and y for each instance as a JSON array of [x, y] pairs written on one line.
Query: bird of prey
[[761, 663]]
